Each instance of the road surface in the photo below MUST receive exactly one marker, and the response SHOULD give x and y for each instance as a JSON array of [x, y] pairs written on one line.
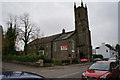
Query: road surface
[[69, 71]]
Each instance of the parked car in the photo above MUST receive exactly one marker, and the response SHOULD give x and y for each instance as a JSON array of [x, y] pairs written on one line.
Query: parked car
[[96, 59], [20, 75], [102, 70], [114, 59]]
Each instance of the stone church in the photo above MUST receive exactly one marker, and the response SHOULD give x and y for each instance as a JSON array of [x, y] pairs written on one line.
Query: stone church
[[75, 44]]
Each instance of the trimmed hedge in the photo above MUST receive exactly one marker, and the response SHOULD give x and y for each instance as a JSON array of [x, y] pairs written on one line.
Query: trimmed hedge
[[57, 63], [25, 58]]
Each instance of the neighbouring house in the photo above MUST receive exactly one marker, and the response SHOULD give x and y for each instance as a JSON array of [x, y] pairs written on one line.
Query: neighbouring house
[[105, 50], [71, 45]]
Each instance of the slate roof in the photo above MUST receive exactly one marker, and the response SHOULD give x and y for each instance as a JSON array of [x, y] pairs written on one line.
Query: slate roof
[[56, 37], [49, 38], [65, 35]]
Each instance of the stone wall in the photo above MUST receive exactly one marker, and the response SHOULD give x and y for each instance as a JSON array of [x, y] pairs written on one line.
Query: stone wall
[[60, 54]]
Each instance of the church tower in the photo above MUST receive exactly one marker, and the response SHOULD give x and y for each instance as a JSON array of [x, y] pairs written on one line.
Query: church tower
[[83, 37]]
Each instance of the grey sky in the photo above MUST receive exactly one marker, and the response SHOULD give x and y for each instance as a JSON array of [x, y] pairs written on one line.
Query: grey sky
[[52, 17]]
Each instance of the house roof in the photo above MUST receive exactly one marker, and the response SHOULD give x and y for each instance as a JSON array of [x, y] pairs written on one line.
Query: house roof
[[48, 39], [56, 37], [65, 35]]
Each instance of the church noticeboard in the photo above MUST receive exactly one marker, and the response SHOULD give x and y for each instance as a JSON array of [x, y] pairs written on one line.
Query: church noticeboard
[[64, 48]]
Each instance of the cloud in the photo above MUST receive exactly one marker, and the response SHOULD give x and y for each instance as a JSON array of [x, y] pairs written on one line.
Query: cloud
[[52, 17], [103, 22]]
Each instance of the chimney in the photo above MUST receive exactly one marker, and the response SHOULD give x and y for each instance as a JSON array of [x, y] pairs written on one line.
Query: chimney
[[63, 31]]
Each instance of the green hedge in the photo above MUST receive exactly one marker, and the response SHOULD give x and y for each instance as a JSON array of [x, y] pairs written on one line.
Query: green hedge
[[47, 60], [66, 61], [57, 63], [25, 58]]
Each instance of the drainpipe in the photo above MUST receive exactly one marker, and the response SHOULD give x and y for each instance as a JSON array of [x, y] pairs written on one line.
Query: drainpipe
[[51, 50]]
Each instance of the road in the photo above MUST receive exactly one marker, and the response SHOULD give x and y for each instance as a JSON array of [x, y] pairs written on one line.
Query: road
[[69, 71]]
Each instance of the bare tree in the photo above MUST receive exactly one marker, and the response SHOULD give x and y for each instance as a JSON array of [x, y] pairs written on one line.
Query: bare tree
[[27, 26], [25, 31], [28, 33]]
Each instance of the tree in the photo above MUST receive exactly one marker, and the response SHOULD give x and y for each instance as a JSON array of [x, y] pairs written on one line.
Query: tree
[[10, 36], [20, 31], [27, 33], [117, 47]]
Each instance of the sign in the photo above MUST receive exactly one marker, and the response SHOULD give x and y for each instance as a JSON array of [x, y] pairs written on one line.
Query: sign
[[82, 60], [64, 48]]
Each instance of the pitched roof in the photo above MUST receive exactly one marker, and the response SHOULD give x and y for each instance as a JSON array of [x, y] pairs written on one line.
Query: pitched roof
[[43, 40], [56, 37], [65, 35], [48, 39]]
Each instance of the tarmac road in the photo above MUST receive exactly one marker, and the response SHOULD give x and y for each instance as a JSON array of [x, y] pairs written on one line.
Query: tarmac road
[[69, 71]]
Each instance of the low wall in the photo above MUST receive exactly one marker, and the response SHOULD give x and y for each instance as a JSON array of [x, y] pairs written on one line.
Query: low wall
[[36, 64]]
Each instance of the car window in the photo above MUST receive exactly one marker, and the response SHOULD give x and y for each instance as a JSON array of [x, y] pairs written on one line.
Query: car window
[[100, 66], [113, 58], [112, 65]]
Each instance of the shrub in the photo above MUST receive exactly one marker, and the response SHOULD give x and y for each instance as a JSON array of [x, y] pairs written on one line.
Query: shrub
[[25, 58], [74, 60], [47, 60], [67, 61], [57, 63]]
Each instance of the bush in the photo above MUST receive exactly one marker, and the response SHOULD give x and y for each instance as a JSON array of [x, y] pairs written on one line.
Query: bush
[[57, 63], [25, 58], [74, 60], [67, 61], [97, 56], [47, 60]]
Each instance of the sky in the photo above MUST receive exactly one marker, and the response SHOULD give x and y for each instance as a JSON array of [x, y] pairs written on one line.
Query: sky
[[52, 17]]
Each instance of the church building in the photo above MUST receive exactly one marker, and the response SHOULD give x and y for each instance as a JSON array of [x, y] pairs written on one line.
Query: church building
[[75, 44]]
